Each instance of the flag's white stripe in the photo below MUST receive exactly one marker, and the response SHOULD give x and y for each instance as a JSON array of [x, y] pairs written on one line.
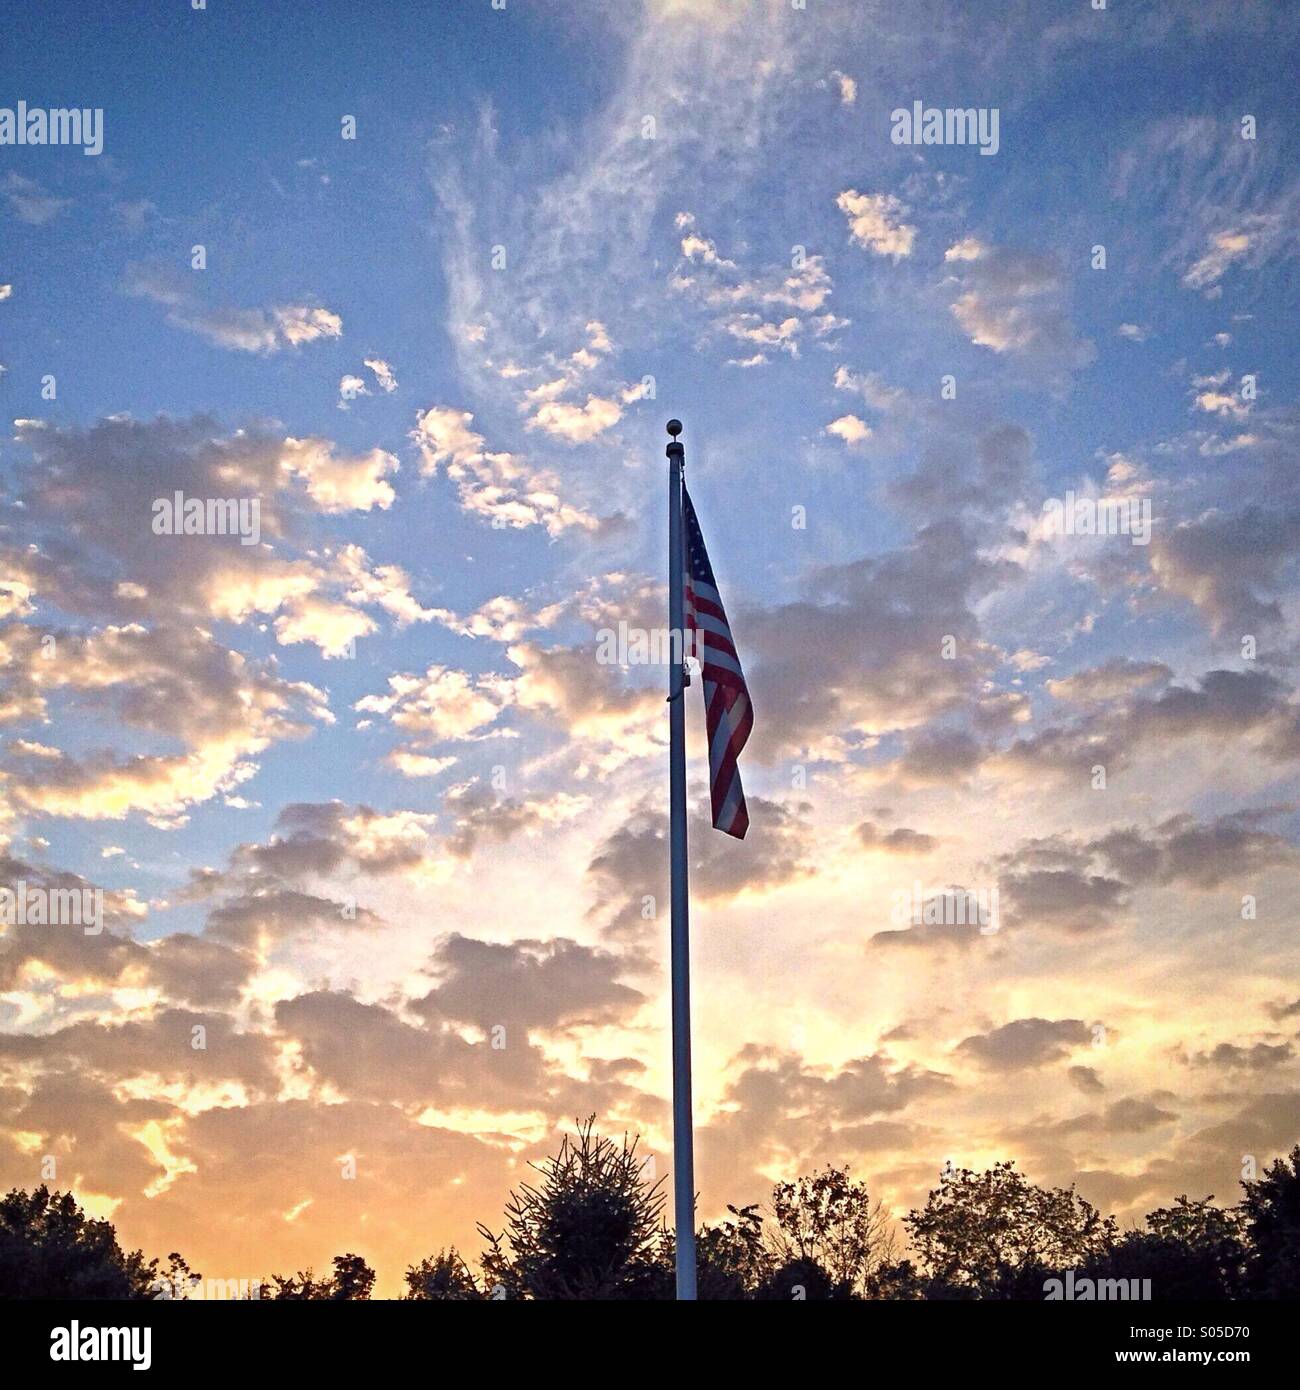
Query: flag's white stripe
[[706, 622], [728, 722], [731, 804], [714, 656], [706, 591]]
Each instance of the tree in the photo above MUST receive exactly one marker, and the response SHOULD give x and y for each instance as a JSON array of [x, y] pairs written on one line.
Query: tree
[[1270, 1214], [591, 1228], [49, 1248], [1190, 1250], [804, 1280], [444, 1278], [352, 1281], [996, 1235], [828, 1220], [896, 1281], [731, 1258]]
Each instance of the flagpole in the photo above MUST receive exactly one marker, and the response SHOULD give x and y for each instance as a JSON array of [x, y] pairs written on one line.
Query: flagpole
[[683, 1136]]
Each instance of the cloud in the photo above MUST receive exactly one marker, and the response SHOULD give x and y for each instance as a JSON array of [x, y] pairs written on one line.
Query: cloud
[[876, 222], [1122, 1117], [1258, 1056], [848, 88], [850, 428], [495, 486], [1222, 403], [331, 627], [901, 840], [383, 374], [590, 222], [575, 424], [1182, 850], [629, 866], [160, 1046], [527, 985], [1230, 203], [1225, 249], [1115, 679], [770, 309], [350, 387], [1012, 302], [606, 721], [443, 704], [313, 842], [478, 814], [872, 387], [1047, 883], [1025, 1043], [172, 683], [1230, 565], [776, 1104], [984, 474], [87, 500], [1253, 706], [298, 324], [418, 764], [340, 484], [261, 331], [29, 202], [367, 1052], [1086, 1080], [857, 653]]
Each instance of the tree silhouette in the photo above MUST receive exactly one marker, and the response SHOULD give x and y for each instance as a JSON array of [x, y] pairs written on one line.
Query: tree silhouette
[[731, 1257], [49, 1248], [445, 1278], [1189, 1250], [591, 1228], [829, 1221], [353, 1280], [1270, 1213], [996, 1235]]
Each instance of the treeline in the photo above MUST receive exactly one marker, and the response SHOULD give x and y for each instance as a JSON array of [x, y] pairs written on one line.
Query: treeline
[[591, 1227]]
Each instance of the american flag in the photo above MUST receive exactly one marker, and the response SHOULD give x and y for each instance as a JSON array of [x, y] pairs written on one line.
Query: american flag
[[728, 714]]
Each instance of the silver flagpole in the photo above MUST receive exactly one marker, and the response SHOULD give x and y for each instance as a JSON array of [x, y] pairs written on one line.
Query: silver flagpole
[[683, 1137]]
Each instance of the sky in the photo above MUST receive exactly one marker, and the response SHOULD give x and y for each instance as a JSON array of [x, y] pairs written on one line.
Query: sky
[[994, 448]]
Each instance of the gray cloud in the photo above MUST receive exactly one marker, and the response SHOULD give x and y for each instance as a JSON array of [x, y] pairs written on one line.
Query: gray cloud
[[527, 984], [1013, 301], [1181, 849], [1230, 565], [1025, 1042]]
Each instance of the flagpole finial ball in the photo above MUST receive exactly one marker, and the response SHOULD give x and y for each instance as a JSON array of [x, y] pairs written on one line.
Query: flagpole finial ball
[[674, 428]]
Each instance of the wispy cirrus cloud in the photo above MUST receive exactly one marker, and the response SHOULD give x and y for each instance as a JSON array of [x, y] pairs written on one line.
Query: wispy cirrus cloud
[[262, 331]]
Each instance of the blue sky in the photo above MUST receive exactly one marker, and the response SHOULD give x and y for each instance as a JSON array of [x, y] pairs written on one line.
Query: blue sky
[[556, 227]]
